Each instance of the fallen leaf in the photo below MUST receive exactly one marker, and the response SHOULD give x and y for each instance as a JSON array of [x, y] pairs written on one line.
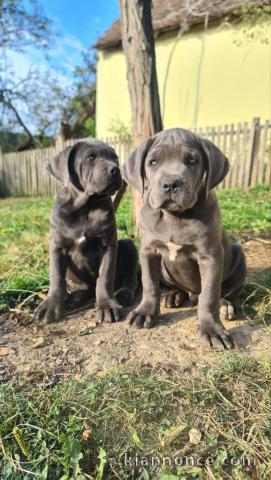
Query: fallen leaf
[[57, 332], [92, 323], [33, 374], [86, 331], [6, 351], [241, 414], [171, 434], [40, 342], [136, 439], [86, 434], [195, 436], [42, 296], [102, 373]]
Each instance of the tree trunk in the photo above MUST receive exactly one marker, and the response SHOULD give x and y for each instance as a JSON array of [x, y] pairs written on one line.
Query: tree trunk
[[138, 46]]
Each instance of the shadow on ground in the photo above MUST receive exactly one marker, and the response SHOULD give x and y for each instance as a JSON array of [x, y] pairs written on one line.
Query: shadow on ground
[[79, 347]]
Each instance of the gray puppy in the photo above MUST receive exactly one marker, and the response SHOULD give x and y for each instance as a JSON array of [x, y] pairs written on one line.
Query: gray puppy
[[183, 245], [84, 237]]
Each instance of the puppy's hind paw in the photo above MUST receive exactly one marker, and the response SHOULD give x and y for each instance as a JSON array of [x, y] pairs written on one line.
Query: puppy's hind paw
[[175, 299], [226, 310], [125, 296]]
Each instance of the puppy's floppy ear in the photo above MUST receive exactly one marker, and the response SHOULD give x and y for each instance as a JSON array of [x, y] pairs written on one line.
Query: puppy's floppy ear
[[59, 166], [217, 164], [133, 168]]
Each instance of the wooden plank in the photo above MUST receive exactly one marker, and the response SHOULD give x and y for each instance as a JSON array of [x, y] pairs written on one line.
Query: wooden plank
[[224, 149], [3, 182], [262, 156], [14, 175], [28, 177], [5, 175], [217, 142], [32, 179], [9, 165], [212, 134], [267, 175], [243, 155], [50, 189], [23, 177], [234, 181], [225, 140], [252, 151], [23, 189], [36, 162], [45, 173], [230, 156], [218, 137]]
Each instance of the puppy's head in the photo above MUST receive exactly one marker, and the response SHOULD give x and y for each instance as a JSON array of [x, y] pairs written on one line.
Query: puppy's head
[[174, 166], [88, 166]]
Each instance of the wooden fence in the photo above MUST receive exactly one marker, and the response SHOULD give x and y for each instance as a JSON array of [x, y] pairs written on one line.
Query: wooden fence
[[248, 148], [25, 173]]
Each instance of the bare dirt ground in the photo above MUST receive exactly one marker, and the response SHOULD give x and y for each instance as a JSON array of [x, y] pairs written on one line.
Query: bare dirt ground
[[78, 347]]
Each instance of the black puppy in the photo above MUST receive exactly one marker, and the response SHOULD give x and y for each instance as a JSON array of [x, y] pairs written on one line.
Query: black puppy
[[84, 237], [182, 240]]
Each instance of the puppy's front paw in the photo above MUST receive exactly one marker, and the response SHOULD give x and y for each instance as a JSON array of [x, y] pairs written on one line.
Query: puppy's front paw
[[214, 335], [51, 310], [145, 315], [108, 311]]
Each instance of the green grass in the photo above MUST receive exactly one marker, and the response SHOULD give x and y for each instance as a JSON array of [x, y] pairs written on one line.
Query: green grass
[[24, 228], [93, 429], [254, 298], [246, 211], [24, 239]]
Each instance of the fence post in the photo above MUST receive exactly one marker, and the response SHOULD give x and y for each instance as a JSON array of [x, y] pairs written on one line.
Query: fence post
[[59, 142], [253, 150], [1, 159], [2, 175]]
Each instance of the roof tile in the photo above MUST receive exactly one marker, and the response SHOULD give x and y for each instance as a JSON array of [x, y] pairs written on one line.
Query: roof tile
[[172, 14]]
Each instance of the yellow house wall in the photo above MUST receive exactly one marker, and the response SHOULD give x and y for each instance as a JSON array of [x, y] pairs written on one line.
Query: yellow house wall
[[214, 77]]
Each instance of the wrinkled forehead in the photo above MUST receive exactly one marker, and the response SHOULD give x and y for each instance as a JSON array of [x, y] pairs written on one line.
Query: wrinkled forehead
[[175, 143], [99, 149]]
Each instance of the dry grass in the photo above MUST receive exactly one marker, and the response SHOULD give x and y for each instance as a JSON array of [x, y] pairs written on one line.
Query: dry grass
[[125, 425]]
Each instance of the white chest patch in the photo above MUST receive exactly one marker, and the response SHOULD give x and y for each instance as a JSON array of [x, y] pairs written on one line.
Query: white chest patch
[[81, 240], [172, 250]]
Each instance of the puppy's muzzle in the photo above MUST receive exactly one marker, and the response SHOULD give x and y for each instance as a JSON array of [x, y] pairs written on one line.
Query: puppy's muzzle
[[113, 179], [114, 176], [171, 185], [113, 171]]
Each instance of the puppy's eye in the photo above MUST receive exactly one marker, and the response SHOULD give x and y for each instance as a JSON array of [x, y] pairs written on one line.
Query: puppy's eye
[[192, 160], [153, 162], [90, 157]]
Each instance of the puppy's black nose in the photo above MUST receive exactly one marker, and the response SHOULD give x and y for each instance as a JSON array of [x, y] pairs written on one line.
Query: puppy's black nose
[[113, 170], [171, 185]]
